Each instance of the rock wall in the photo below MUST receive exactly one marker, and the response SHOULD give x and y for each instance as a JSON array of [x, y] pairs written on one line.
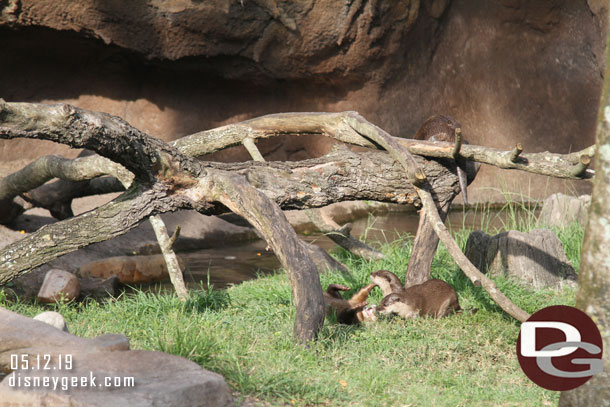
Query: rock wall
[[509, 70]]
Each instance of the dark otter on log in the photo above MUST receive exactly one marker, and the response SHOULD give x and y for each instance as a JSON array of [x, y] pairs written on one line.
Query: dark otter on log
[[352, 311], [443, 128]]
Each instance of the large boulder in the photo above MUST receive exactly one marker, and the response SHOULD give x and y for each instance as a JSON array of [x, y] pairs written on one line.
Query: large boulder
[[561, 210], [106, 372], [536, 258]]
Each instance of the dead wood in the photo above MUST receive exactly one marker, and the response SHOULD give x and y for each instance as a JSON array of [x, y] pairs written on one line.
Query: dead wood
[[165, 180], [462, 261], [168, 178]]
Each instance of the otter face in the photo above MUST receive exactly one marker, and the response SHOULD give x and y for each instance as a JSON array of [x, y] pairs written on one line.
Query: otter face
[[394, 304], [388, 303], [368, 314]]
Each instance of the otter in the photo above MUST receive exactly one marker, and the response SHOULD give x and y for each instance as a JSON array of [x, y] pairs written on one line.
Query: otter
[[434, 298], [442, 128], [352, 311]]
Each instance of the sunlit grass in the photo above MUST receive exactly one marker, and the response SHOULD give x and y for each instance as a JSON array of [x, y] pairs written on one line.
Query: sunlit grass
[[245, 334]]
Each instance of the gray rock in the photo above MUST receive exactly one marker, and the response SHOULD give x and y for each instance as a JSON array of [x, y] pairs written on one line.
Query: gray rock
[[561, 210], [53, 318], [536, 258], [159, 379], [137, 379], [476, 249], [58, 284]]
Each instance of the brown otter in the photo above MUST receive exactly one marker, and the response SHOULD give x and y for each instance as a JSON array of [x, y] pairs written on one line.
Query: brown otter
[[352, 311], [442, 128], [434, 298]]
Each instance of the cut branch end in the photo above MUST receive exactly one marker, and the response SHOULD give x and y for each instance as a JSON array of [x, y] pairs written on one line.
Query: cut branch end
[[581, 167], [516, 152], [458, 142]]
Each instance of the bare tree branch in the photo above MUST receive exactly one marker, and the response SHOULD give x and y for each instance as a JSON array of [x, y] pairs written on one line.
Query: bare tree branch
[[173, 267], [462, 261]]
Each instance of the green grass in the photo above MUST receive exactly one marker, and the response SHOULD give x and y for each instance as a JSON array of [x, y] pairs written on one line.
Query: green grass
[[244, 333]]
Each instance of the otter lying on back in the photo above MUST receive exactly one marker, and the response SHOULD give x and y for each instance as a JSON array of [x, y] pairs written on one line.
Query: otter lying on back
[[434, 298], [350, 311]]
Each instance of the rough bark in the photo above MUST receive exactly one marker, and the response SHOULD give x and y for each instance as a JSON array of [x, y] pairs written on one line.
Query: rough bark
[[346, 127], [424, 248], [243, 199], [594, 274], [166, 180]]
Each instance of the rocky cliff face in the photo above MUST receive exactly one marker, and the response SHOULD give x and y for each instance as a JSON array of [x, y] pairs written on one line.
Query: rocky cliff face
[[508, 70]]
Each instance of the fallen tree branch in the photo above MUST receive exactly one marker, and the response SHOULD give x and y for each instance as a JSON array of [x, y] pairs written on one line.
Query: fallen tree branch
[[462, 261], [341, 235], [337, 126], [323, 260], [166, 180], [52, 166], [334, 125]]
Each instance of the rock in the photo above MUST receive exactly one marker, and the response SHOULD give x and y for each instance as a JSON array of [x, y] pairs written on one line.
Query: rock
[[53, 318], [561, 210], [476, 249], [536, 258], [378, 58], [98, 287], [129, 269], [33, 337], [58, 284], [137, 378]]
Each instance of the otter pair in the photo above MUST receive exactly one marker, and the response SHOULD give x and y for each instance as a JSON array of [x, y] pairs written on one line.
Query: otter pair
[[434, 298]]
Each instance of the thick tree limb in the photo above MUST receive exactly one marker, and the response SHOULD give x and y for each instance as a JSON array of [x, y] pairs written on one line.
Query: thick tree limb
[[323, 260], [337, 126], [107, 135], [166, 180], [243, 199], [52, 166], [110, 220], [424, 248]]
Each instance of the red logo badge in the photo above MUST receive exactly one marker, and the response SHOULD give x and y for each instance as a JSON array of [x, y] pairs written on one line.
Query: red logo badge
[[560, 348]]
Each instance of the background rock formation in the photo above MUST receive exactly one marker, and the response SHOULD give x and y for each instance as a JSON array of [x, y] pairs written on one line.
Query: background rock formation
[[509, 70]]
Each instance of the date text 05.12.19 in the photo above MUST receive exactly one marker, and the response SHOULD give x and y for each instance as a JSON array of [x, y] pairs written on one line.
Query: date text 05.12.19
[[41, 362]]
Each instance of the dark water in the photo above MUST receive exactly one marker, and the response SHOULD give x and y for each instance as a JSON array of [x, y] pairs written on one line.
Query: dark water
[[234, 264]]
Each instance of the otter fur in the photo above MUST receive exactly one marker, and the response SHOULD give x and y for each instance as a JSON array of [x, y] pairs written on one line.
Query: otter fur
[[434, 298], [387, 281], [352, 311], [443, 128]]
